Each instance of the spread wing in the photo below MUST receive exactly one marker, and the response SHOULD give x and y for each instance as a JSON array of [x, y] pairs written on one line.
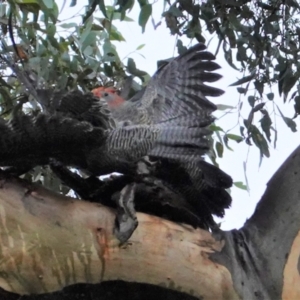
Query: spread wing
[[178, 88]]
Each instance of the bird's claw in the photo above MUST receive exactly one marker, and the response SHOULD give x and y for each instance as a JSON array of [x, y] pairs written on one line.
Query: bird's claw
[[145, 166], [126, 220]]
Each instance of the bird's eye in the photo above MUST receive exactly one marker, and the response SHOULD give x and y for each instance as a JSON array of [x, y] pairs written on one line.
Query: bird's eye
[[105, 94]]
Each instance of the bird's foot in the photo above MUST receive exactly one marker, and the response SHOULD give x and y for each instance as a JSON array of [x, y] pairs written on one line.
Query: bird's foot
[[126, 220], [145, 166]]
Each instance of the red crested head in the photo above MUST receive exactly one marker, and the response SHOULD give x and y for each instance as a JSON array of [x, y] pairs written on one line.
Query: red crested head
[[110, 95]]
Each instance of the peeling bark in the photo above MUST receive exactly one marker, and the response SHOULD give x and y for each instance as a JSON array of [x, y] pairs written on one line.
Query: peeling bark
[[49, 242]]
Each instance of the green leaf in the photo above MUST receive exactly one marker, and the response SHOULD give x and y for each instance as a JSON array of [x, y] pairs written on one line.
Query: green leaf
[[259, 86], [258, 107], [235, 137], [124, 6], [140, 47], [68, 25], [180, 48], [48, 3], [102, 8], [108, 71], [225, 139], [51, 30], [243, 80], [266, 123], [176, 12], [27, 1], [245, 174], [270, 96], [86, 31], [144, 16], [116, 15], [282, 67], [241, 54], [259, 140], [88, 51], [89, 40], [242, 128], [74, 64], [220, 149], [289, 122], [115, 35], [288, 82], [251, 100], [241, 90], [110, 53], [53, 42], [2, 10], [224, 107], [51, 13], [228, 57], [240, 185], [297, 104], [96, 27], [231, 37], [131, 68], [84, 74], [214, 127], [65, 57], [275, 138]]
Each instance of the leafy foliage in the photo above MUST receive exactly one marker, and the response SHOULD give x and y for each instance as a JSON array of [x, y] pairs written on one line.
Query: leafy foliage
[[261, 39]]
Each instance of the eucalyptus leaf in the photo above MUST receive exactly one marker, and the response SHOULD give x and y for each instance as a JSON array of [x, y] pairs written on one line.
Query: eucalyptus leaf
[[144, 15]]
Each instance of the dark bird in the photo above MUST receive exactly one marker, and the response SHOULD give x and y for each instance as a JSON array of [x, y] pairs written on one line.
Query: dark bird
[[167, 121], [178, 90]]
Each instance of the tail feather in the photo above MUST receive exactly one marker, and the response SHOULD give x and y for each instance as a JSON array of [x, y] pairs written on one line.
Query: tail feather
[[197, 187], [184, 137], [213, 175]]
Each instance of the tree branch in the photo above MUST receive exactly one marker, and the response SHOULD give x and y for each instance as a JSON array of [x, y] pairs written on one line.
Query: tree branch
[[260, 269], [50, 241]]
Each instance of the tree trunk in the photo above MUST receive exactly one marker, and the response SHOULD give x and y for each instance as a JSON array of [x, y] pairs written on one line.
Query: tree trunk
[[49, 242]]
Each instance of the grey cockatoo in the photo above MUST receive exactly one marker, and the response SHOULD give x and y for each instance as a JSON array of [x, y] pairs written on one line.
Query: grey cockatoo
[[167, 121]]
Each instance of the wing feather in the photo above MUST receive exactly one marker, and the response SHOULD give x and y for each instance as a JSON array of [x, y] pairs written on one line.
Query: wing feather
[[178, 88]]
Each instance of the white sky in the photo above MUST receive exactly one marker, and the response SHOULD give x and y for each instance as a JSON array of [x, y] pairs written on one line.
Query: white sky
[[159, 44]]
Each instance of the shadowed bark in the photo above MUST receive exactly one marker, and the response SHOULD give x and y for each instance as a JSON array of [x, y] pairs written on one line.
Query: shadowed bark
[[49, 242], [259, 254]]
